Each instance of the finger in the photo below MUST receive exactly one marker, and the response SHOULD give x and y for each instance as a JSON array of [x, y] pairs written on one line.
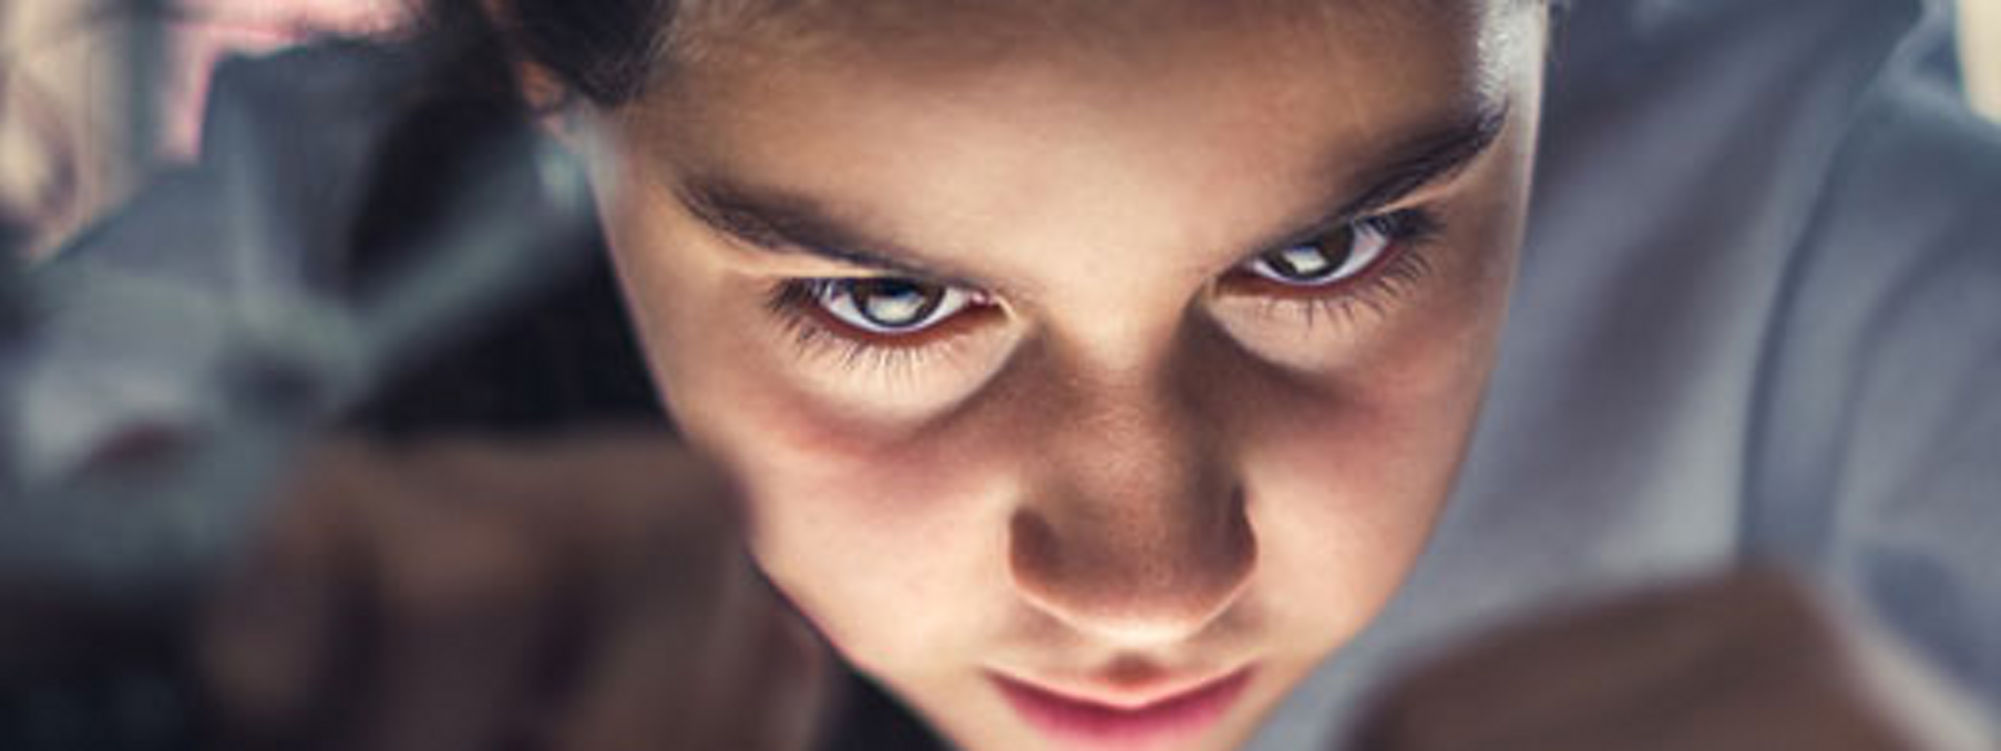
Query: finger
[[1531, 675], [683, 630], [648, 667], [750, 676], [643, 487], [267, 636], [460, 583], [1747, 697], [1778, 701], [754, 674], [790, 682], [1627, 663]]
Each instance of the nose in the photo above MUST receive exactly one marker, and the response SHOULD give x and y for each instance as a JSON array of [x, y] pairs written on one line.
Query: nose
[[1137, 532]]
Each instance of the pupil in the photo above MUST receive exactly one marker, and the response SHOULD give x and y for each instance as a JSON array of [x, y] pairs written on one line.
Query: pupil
[[895, 303], [1309, 262]]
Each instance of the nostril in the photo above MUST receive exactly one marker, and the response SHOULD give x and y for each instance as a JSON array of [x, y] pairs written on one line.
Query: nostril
[[1129, 577]]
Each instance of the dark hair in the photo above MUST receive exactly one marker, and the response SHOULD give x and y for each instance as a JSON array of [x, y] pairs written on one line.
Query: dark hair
[[563, 354], [539, 368], [566, 356], [605, 51]]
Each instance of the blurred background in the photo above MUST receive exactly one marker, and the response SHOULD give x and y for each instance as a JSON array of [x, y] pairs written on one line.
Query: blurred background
[[96, 93]]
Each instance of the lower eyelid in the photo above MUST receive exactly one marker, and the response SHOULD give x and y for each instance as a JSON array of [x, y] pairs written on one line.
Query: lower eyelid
[[1375, 288], [1407, 228], [1240, 282], [1375, 291], [797, 309], [950, 327], [889, 373]]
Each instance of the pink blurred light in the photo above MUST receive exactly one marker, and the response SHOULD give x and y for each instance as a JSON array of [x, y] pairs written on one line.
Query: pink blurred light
[[212, 29]]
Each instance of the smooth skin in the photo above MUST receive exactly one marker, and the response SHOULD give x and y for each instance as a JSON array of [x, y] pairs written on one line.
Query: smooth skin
[[588, 593], [1132, 470], [1037, 344]]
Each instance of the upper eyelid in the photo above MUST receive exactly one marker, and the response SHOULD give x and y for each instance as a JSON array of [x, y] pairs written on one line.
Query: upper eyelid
[[995, 297], [1434, 168], [1438, 160], [873, 266], [869, 266], [802, 309], [1318, 231], [776, 221], [1325, 227], [720, 208], [753, 232]]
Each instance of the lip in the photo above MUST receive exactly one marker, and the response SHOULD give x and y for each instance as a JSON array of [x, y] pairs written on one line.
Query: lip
[[1091, 724]]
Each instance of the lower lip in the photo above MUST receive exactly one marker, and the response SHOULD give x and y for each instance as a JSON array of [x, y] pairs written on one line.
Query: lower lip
[[1085, 725]]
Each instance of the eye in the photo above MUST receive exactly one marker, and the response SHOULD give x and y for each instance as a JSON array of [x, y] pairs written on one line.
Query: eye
[[890, 306], [1332, 258]]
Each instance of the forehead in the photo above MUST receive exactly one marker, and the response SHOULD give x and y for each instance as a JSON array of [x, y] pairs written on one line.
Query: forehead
[[944, 121], [1386, 57], [943, 32]]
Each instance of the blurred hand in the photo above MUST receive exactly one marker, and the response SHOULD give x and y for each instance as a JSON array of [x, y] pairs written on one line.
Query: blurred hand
[[1747, 662], [577, 594]]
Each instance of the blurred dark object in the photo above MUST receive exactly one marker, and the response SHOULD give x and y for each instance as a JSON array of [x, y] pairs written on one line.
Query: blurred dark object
[[541, 354], [869, 719]]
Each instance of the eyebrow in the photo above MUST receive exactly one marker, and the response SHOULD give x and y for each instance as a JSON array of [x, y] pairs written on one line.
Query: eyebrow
[[786, 222], [1434, 155]]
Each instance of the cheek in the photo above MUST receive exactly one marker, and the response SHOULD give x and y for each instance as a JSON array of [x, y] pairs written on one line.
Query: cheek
[[1350, 469], [893, 547], [1343, 508], [890, 542]]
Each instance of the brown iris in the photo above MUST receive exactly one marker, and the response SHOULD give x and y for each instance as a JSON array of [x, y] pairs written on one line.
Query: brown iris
[[1312, 262], [893, 303]]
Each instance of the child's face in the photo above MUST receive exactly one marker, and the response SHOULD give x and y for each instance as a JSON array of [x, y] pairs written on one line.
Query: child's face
[[1043, 344]]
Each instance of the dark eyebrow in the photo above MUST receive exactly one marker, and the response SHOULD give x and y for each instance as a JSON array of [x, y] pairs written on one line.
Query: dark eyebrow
[[1433, 155], [784, 222]]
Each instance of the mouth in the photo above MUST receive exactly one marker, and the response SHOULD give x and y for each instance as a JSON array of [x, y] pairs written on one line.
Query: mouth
[[1099, 725]]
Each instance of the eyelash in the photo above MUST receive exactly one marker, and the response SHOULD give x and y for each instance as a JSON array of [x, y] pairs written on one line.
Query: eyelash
[[795, 302], [1370, 292]]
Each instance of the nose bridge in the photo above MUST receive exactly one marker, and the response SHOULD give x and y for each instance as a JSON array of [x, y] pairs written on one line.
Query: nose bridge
[[1137, 530]]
